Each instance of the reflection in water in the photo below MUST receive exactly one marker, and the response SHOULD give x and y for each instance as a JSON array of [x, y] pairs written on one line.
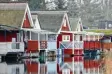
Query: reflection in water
[[59, 65], [9, 68]]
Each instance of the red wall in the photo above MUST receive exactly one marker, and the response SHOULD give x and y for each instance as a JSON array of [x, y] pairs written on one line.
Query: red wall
[[26, 23], [92, 45], [67, 51], [59, 38], [32, 67], [78, 58], [78, 52], [9, 36], [65, 28], [32, 46], [91, 63]]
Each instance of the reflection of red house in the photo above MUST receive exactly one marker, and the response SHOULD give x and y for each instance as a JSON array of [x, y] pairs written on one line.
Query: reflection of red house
[[32, 67], [92, 65], [43, 69], [64, 69], [92, 45]]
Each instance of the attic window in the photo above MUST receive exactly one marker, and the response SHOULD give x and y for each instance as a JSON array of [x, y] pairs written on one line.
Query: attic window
[[110, 25], [66, 38], [66, 71]]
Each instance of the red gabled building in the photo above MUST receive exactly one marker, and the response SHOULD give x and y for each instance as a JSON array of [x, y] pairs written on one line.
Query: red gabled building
[[14, 17]]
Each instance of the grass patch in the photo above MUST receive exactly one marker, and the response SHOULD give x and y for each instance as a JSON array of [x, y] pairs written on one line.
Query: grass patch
[[106, 32]]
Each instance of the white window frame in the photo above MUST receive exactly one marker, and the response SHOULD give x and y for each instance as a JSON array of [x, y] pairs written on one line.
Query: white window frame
[[65, 37], [18, 37], [66, 71]]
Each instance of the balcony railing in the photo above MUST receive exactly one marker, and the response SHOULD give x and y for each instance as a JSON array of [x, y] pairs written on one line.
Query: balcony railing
[[71, 45], [48, 45], [11, 47]]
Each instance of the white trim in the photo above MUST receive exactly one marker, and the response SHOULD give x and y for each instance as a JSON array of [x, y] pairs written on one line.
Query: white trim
[[24, 17], [65, 17], [65, 38], [27, 10], [39, 31], [73, 44], [37, 24], [30, 17], [83, 32], [66, 71], [67, 21], [79, 25], [67, 65]]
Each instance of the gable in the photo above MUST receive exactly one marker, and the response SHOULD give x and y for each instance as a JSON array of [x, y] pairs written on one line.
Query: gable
[[65, 66], [79, 25], [65, 24], [35, 21], [26, 23], [49, 20]]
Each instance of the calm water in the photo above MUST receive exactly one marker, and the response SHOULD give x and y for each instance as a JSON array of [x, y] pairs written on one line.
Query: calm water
[[52, 65]]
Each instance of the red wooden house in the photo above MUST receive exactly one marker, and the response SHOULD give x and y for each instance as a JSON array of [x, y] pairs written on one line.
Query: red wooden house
[[32, 67], [14, 17], [73, 66], [49, 23], [92, 66], [92, 42]]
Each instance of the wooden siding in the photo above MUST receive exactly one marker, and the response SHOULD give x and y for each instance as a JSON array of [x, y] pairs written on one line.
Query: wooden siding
[[68, 59], [32, 67], [92, 45], [78, 58], [65, 25], [91, 63], [59, 38], [9, 36], [32, 46], [26, 23], [107, 45], [78, 52], [67, 51]]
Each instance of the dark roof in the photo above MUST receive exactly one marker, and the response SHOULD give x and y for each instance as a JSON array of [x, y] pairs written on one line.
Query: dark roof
[[13, 1], [50, 20], [11, 14], [105, 24], [73, 23]]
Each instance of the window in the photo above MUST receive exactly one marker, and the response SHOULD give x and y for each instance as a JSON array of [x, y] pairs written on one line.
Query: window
[[66, 71], [18, 37], [66, 38], [15, 45], [77, 37], [110, 25]]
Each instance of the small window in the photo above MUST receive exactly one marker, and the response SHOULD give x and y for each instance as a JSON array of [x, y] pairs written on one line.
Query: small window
[[66, 38], [66, 71], [110, 25], [15, 45]]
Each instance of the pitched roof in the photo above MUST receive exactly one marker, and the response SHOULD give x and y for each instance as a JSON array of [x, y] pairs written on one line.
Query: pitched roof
[[50, 20], [11, 14], [4, 1], [73, 23]]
